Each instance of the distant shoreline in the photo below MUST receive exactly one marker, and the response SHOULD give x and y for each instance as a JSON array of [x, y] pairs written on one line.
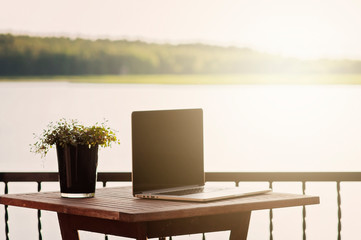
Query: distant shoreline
[[195, 79], [51, 56]]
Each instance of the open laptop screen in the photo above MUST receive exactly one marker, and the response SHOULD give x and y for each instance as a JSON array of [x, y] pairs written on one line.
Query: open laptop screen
[[167, 149]]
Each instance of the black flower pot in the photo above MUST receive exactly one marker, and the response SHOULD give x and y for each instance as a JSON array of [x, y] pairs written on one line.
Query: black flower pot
[[77, 170]]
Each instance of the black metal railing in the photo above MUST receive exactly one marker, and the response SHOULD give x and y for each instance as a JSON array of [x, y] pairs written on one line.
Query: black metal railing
[[236, 177]]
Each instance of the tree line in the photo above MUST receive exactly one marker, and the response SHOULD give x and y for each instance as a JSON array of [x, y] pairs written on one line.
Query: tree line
[[35, 56]]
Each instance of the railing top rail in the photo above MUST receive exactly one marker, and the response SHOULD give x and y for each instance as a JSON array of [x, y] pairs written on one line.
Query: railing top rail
[[283, 176], [210, 176], [28, 176]]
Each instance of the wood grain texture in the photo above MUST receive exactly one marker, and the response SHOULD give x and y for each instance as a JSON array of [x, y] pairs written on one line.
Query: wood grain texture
[[119, 204]]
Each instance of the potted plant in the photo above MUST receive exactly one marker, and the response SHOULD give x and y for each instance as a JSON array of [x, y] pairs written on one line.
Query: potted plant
[[77, 152]]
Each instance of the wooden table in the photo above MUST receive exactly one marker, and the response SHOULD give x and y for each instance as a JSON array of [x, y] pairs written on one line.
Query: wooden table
[[114, 211]]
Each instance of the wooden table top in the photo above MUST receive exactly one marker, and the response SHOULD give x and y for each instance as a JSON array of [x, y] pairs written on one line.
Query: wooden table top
[[117, 203]]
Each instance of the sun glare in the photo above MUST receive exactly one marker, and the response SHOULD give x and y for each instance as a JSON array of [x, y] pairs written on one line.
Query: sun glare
[[303, 37]]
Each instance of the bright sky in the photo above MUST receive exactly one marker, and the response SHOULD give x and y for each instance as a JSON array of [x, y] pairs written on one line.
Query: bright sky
[[302, 28]]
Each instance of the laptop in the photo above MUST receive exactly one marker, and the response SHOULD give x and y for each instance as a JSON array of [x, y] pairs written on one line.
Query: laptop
[[167, 158]]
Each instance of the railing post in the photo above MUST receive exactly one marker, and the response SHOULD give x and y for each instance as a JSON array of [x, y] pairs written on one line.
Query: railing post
[[6, 214], [104, 185], [304, 212], [271, 216], [39, 216], [339, 214]]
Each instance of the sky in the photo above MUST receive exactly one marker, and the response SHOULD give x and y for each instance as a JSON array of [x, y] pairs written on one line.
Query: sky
[[298, 28]]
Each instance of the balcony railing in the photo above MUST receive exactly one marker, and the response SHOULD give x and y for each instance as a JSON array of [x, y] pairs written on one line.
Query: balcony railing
[[236, 177]]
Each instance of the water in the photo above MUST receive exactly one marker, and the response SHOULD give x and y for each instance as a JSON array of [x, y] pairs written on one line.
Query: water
[[246, 128]]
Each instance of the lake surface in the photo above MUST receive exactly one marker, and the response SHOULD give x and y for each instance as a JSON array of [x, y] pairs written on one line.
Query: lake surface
[[246, 128]]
